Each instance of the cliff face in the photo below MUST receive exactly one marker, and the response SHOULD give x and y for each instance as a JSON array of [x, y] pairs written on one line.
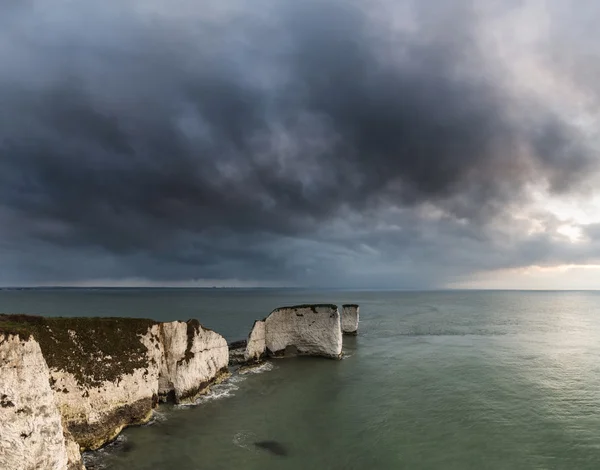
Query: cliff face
[[80, 381], [103, 372], [350, 319], [310, 330], [256, 347], [31, 430], [194, 357]]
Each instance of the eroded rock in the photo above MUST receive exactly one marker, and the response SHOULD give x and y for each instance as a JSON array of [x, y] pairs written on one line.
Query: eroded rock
[[31, 430], [256, 347], [194, 358], [71, 384], [350, 319], [313, 330]]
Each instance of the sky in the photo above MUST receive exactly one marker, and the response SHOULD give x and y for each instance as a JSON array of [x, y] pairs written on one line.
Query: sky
[[393, 144]]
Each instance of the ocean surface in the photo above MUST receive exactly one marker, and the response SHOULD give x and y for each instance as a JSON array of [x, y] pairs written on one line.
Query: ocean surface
[[434, 380]]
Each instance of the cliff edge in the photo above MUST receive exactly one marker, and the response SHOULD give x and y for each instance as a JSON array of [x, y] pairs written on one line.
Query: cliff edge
[[90, 378]]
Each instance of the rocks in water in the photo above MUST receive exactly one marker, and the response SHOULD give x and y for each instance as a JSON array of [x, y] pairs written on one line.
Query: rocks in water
[[305, 330], [241, 344], [350, 319], [237, 350], [274, 447], [257, 346], [313, 330]]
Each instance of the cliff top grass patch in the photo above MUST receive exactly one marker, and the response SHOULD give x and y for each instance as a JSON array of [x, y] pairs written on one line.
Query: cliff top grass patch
[[313, 307], [350, 305], [93, 349]]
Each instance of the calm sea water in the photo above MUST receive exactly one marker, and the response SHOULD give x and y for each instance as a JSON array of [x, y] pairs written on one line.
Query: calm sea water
[[435, 380]]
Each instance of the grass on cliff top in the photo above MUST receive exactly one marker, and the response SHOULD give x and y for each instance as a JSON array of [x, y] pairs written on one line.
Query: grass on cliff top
[[350, 305], [92, 349], [313, 307]]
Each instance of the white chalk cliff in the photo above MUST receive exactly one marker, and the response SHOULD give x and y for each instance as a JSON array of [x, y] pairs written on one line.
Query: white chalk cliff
[[97, 404], [74, 383], [31, 430], [256, 347], [194, 356], [350, 319], [309, 330]]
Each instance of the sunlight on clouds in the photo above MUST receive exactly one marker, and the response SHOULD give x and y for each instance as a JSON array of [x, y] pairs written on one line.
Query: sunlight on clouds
[[580, 211], [562, 277], [573, 233]]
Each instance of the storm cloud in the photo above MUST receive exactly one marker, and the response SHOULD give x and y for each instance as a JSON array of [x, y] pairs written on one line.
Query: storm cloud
[[348, 143]]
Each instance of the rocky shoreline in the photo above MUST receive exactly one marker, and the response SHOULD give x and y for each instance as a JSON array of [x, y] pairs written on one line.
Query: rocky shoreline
[[68, 385]]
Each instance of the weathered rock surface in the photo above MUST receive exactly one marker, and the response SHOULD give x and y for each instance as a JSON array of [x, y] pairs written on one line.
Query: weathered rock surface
[[31, 430], [237, 351], [256, 347], [194, 357], [309, 330], [74, 383], [350, 319]]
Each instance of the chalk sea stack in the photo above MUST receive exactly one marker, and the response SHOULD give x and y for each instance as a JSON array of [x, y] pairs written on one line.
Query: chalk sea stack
[[303, 330], [306, 330], [256, 348], [350, 319]]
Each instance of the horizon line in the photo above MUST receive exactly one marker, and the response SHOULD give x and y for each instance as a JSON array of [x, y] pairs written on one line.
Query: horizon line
[[357, 289]]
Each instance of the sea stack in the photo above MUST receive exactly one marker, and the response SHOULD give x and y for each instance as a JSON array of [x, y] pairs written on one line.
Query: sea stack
[[71, 384], [256, 346], [350, 319], [306, 330]]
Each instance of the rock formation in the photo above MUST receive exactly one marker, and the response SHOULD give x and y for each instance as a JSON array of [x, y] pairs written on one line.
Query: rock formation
[[194, 357], [75, 383], [31, 430], [256, 346], [350, 319], [308, 330], [72, 384]]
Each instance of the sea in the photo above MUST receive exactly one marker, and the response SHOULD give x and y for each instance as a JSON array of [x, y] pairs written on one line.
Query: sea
[[434, 380]]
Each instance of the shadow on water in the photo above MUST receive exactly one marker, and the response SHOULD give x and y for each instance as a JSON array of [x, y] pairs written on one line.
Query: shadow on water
[[274, 447]]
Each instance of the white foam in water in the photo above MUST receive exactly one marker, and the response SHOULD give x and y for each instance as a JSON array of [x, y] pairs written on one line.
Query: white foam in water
[[157, 417], [264, 367], [228, 387], [222, 390], [216, 392], [97, 459]]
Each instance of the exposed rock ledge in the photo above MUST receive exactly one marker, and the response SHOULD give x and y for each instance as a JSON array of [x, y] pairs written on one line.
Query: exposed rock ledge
[[71, 384]]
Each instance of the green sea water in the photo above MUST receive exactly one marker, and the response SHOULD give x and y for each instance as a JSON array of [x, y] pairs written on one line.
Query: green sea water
[[434, 380]]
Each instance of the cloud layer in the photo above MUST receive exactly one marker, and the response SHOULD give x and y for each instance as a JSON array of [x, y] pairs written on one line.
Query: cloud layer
[[347, 143]]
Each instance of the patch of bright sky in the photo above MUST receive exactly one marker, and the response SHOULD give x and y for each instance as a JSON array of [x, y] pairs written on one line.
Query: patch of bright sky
[[565, 277]]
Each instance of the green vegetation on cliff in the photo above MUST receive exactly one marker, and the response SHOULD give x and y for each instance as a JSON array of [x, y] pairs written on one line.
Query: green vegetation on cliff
[[313, 307], [92, 349]]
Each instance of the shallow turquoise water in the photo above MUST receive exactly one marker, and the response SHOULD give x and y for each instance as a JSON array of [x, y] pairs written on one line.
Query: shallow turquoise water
[[435, 380]]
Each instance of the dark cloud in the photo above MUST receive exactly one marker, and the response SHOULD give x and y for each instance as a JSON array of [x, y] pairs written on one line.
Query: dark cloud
[[231, 144]]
